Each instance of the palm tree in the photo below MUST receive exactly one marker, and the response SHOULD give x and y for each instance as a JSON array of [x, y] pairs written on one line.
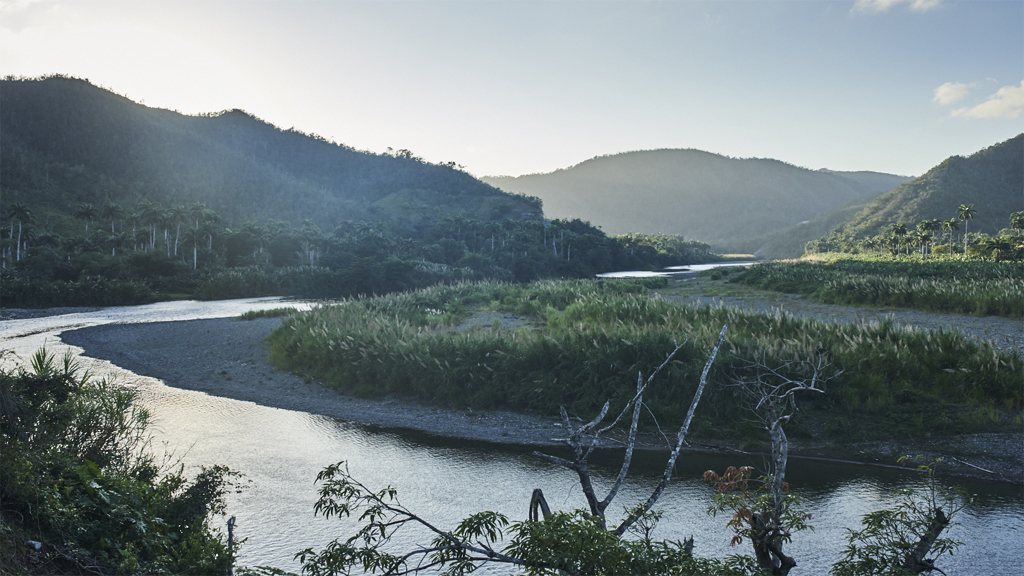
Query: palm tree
[[179, 214], [115, 241], [26, 237], [193, 238], [134, 218], [86, 212], [258, 235], [966, 212], [949, 226], [923, 239], [23, 214], [196, 210], [5, 247], [210, 220], [898, 232], [112, 212], [928, 227], [152, 215]]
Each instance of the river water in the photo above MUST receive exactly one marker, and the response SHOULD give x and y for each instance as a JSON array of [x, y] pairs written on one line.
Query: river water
[[280, 452], [673, 271]]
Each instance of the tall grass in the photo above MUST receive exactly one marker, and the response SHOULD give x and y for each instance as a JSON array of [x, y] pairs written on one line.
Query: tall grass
[[969, 287], [589, 339]]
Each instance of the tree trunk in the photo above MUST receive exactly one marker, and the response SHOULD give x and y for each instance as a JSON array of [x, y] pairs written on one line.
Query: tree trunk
[[915, 560]]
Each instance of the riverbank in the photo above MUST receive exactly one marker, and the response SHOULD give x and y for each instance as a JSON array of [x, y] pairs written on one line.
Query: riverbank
[[23, 313], [225, 357]]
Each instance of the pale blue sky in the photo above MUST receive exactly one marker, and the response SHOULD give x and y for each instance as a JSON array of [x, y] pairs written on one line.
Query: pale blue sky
[[523, 87]]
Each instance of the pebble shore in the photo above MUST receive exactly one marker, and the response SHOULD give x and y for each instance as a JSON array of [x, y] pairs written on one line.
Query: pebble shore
[[225, 357]]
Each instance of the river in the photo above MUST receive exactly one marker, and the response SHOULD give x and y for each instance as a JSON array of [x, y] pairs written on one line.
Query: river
[[280, 452], [686, 271]]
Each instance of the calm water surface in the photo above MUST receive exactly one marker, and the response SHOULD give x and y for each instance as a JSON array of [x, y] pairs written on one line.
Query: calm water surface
[[280, 453], [671, 270]]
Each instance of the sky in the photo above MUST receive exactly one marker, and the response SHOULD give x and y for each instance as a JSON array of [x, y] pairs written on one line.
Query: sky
[[512, 88]]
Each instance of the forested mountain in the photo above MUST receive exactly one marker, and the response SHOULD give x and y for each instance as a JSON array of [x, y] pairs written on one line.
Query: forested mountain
[[104, 201], [992, 180], [65, 141], [791, 242], [728, 202]]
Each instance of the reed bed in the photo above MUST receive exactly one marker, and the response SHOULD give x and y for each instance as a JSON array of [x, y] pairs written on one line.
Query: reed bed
[[587, 341], [968, 287]]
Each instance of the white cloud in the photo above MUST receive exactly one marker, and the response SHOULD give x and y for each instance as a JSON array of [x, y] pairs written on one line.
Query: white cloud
[[885, 5], [1008, 102], [15, 5], [951, 92]]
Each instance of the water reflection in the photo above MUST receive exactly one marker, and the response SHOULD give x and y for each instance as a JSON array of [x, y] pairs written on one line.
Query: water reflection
[[280, 452]]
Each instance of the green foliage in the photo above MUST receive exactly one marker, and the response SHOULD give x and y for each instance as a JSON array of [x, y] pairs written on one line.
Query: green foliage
[[581, 336], [572, 543], [75, 476], [990, 179], [757, 514], [270, 313], [87, 291], [896, 541], [68, 142], [963, 286]]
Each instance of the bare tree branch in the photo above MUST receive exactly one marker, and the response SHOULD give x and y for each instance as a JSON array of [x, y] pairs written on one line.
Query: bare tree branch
[[584, 439], [680, 440]]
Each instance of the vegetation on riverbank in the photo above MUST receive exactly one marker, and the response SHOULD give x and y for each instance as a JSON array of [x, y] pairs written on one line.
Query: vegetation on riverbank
[[585, 335], [80, 492], [150, 254], [271, 313], [967, 286]]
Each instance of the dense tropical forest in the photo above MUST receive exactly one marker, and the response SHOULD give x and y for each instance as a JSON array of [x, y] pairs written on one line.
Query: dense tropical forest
[[66, 141], [109, 202]]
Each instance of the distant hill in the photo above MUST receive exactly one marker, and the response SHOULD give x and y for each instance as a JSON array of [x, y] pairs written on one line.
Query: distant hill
[[728, 202], [791, 242], [66, 141], [991, 179]]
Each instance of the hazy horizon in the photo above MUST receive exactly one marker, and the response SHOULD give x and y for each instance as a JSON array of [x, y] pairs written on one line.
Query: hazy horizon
[[505, 88]]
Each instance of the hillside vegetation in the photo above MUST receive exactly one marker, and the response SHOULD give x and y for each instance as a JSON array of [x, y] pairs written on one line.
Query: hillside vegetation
[[108, 202], [65, 141], [726, 202], [991, 181]]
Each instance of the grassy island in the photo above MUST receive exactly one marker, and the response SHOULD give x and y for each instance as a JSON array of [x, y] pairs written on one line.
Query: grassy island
[[579, 343]]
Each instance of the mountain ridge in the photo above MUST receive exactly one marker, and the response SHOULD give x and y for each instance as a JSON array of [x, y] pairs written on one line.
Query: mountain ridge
[[67, 141], [992, 179], [695, 193]]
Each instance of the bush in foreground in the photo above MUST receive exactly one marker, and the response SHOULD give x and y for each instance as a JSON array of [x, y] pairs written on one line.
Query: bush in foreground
[[78, 492]]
